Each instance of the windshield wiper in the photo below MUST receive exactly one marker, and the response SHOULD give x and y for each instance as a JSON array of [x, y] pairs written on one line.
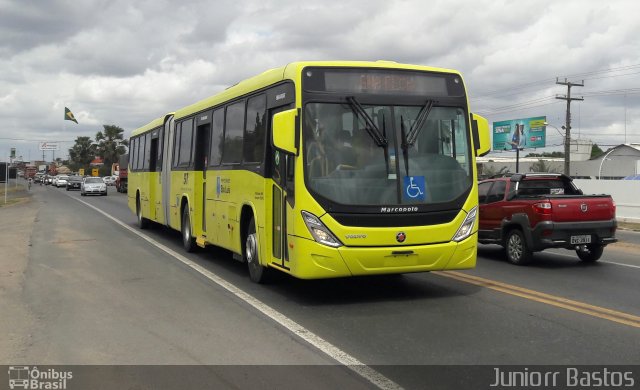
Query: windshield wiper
[[405, 145], [370, 126], [415, 129]]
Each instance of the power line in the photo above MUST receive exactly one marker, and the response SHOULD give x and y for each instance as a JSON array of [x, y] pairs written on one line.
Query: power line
[[33, 140], [500, 110], [541, 81], [525, 105]]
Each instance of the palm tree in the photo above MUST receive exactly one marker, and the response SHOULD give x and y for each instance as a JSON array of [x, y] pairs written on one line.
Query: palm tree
[[82, 152], [110, 144]]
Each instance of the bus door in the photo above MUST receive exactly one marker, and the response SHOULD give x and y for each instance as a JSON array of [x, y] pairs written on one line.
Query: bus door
[[165, 174], [155, 202], [201, 156], [282, 194]]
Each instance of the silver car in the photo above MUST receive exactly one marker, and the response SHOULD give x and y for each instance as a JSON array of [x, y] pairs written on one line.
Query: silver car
[[93, 185]]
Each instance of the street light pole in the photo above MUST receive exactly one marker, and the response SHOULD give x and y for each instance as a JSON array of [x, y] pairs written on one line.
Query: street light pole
[[558, 130], [602, 162]]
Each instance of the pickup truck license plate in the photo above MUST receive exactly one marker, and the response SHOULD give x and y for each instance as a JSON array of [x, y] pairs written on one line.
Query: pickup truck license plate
[[584, 239]]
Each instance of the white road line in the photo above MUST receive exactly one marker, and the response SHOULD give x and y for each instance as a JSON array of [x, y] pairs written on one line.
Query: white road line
[[600, 261], [622, 264], [334, 352]]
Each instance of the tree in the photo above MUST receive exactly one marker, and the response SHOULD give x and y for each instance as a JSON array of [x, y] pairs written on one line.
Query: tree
[[546, 154], [540, 166], [82, 152], [489, 171], [596, 151], [110, 145]]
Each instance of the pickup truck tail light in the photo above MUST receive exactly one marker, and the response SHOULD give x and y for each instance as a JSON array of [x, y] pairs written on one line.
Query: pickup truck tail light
[[543, 208]]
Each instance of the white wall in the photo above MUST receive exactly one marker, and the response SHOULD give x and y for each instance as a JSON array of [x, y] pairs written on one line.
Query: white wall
[[626, 194]]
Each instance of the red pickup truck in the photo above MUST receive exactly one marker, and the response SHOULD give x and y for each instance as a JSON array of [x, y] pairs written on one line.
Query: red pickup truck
[[526, 213]]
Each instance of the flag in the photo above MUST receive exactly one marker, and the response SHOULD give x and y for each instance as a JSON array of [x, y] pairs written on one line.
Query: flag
[[68, 115]]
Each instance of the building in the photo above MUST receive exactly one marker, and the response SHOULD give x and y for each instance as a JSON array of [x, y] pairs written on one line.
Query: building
[[618, 162]]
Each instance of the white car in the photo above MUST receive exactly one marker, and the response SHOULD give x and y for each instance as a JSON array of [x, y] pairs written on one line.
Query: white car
[[61, 181], [109, 180], [93, 185]]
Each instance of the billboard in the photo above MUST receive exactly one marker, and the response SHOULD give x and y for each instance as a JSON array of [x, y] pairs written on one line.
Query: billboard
[[520, 133], [49, 146], [3, 172]]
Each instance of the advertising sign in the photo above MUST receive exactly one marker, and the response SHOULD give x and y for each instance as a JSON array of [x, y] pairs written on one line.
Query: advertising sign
[[49, 145], [520, 133]]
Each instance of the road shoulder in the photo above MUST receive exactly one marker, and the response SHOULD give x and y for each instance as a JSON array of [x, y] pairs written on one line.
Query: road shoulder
[[16, 225]]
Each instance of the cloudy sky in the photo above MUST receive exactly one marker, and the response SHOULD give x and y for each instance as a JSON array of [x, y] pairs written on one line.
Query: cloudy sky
[[127, 62]]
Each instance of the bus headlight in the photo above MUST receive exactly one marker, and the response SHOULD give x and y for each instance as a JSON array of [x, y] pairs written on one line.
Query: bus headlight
[[320, 233], [467, 226]]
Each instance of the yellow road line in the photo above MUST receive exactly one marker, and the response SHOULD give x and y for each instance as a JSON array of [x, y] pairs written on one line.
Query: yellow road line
[[580, 307]]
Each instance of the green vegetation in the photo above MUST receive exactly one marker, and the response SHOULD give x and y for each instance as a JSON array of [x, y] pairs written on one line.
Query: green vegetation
[[110, 144], [540, 166]]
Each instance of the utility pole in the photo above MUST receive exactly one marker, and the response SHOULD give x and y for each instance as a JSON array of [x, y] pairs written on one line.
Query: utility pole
[[567, 130]]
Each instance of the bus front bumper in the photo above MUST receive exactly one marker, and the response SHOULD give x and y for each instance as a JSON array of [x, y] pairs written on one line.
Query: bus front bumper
[[315, 261]]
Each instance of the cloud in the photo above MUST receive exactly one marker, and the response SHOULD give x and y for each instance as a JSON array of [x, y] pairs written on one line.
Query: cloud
[[125, 63]]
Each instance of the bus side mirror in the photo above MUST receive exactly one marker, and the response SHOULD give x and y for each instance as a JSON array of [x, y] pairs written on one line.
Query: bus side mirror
[[481, 134], [283, 134]]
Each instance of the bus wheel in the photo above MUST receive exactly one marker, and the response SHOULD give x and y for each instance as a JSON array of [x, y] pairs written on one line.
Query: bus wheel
[[257, 273], [143, 223], [188, 241]]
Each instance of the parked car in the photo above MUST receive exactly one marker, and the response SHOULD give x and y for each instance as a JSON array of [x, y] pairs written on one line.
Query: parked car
[[74, 183], [526, 213], [93, 185], [61, 181], [109, 180]]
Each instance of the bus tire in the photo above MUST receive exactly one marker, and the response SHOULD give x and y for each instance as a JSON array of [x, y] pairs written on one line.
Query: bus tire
[[188, 241], [257, 272], [142, 222]]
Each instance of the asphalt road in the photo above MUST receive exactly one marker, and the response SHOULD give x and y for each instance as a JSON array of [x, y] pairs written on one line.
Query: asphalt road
[[100, 294]]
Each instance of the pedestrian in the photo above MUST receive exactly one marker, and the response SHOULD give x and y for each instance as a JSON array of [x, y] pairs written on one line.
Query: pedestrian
[[29, 183]]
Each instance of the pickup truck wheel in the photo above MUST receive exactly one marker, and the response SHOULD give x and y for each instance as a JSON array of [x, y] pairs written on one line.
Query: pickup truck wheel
[[516, 247], [590, 253]]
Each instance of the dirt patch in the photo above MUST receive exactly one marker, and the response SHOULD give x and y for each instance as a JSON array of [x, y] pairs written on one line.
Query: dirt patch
[[16, 224]]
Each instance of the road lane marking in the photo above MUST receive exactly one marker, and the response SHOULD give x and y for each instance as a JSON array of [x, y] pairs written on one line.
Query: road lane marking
[[329, 349], [580, 307], [600, 261], [622, 264]]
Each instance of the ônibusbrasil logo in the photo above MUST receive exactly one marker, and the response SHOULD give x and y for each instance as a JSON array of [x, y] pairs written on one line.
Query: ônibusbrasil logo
[[25, 377]]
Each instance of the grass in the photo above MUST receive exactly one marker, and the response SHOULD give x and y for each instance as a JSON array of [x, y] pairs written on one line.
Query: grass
[[12, 188], [12, 201], [629, 226]]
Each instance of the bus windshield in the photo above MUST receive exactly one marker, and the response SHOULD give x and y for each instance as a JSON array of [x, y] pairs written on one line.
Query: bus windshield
[[395, 163]]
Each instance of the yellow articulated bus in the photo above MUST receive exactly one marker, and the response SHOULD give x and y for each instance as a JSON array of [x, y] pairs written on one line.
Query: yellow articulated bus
[[320, 170]]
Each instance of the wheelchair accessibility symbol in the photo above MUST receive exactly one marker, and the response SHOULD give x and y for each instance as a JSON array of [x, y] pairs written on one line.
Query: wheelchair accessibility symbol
[[414, 188]]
